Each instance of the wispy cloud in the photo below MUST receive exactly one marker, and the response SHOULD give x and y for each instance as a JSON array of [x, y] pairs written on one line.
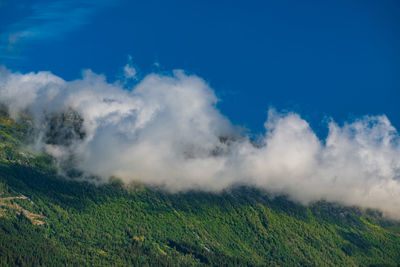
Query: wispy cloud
[[129, 70], [48, 20]]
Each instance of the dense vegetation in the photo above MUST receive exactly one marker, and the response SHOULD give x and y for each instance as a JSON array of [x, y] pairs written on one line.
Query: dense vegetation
[[48, 220]]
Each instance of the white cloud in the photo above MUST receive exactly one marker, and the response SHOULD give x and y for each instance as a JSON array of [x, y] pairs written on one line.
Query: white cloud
[[48, 20], [167, 132], [129, 70]]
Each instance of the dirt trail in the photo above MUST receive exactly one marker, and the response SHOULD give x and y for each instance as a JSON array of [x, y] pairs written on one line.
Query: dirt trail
[[5, 202]]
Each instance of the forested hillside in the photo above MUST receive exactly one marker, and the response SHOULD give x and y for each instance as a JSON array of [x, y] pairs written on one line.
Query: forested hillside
[[49, 220]]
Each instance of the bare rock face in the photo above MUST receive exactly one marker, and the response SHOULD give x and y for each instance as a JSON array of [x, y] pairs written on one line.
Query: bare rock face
[[64, 128]]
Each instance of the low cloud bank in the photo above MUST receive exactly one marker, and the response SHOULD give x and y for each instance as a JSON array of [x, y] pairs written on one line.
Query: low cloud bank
[[167, 132]]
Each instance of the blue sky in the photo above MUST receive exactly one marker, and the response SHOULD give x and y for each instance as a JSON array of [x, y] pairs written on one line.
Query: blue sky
[[338, 59]]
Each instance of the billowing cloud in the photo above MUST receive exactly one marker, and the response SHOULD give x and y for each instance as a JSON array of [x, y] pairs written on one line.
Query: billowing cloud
[[167, 132]]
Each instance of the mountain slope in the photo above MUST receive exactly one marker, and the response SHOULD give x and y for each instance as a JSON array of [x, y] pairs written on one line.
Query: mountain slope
[[48, 220]]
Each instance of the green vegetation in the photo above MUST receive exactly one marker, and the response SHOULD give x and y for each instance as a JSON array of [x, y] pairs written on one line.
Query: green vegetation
[[48, 220]]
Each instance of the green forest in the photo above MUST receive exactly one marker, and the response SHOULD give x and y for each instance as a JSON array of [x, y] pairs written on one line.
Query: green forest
[[49, 220]]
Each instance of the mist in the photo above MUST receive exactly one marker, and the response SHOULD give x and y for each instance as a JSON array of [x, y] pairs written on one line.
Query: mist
[[166, 131]]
